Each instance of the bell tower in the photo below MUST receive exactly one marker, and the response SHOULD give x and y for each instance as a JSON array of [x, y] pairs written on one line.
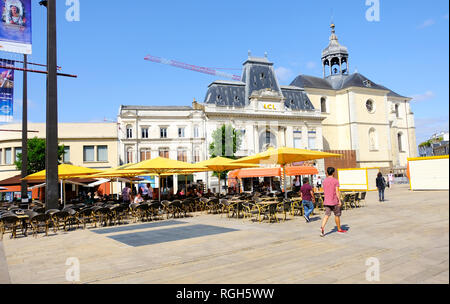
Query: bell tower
[[335, 57]]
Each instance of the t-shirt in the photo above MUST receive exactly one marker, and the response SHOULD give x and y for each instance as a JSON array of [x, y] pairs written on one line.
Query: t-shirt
[[306, 192], [329, 189], [126, 194]]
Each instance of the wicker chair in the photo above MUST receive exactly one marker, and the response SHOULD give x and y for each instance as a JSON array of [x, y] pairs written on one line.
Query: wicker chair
[[362, 199], [9, 222], [38, 221]]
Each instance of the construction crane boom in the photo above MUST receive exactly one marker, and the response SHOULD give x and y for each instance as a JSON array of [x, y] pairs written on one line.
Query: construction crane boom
[[181, 65]]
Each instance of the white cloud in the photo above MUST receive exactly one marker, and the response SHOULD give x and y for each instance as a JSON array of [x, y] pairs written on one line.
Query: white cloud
[[427, 23], [422, 97], [284, 74]]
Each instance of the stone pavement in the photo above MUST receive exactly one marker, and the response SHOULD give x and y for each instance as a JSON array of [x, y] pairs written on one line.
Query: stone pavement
[[408, 234]]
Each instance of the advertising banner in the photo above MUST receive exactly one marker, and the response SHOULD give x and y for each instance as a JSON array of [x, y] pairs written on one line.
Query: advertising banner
[[6, 92], [15, 26]]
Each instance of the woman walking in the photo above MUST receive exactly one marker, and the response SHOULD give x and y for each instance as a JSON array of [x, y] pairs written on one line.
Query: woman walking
[[381, 185]]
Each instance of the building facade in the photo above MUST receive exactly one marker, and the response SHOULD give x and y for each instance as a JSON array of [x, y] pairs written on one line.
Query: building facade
[[338, 112], [361, 115], [92, 145]]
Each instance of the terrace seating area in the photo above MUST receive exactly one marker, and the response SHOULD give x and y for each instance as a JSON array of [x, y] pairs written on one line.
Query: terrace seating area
[[256, 207]]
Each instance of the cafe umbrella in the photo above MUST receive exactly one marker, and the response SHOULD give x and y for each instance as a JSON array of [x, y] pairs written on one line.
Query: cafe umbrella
[[162, 166], [284, 156]]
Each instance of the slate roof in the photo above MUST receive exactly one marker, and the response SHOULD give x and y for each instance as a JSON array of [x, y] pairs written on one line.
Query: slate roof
[[339, 82], [258, 74]]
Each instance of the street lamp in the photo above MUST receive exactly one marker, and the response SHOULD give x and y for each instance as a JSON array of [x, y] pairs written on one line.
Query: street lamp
[[51, 149]]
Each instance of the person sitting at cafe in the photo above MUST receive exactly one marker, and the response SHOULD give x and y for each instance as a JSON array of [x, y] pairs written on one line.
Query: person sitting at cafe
[[138, 199]]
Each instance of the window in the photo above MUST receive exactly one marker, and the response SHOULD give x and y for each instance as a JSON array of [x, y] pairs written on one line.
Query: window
[[163, 132], [8, 156], [1, 156], [181, 132], [298, 139], [129, 131], [370, 105], [373, 140], [146, 154], [323, 105], [144, 133], [397, 110], [88, 153], [66, 156], [312, 140], [196, 132], [400, 142], [102, 153], [164, 152], [129, 156], [17, 151], [196, 156], [182, 155]]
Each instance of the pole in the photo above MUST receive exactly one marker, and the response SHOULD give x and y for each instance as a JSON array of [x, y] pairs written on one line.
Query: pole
[[284, 174], [24, 185], [51, 156]]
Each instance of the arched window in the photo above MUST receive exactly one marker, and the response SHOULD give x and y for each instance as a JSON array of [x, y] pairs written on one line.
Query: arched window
[[370, 106], [129, 131], [323, 105], [373, 139], [130, 155], [267, 139], [400, 142]]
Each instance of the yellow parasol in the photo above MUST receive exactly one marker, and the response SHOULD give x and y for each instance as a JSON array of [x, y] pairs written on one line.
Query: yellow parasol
[[65, 172], [283, 156], [160, 166], [222, 164]]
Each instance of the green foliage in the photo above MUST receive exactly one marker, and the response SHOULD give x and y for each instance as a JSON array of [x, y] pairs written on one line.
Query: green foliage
[[226, 142], [36, 156]]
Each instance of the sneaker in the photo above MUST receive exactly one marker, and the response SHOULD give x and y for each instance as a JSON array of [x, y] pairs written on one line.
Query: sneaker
[[322, 232], [307, 219], [342, 231]]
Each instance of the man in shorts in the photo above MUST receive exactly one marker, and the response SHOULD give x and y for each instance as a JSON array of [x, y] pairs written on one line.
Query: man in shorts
[[332, 201]]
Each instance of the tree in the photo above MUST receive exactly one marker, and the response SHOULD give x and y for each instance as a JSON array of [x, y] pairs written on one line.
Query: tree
[[36, 155], [226, 142]]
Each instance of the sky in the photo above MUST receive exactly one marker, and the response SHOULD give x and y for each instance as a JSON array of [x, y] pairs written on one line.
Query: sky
[[406, 50]]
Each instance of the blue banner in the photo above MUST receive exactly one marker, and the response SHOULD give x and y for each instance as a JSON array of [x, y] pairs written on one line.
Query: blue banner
[[6, 92], [15, 26]]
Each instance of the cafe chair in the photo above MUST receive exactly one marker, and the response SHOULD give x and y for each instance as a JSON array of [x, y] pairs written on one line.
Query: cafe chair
[[9, 222], [38, 221]]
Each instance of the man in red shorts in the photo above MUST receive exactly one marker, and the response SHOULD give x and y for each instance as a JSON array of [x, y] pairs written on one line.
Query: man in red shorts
[[332, 202]]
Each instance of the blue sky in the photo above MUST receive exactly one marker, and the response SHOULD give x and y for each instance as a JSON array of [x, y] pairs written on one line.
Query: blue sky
[[407, 51]]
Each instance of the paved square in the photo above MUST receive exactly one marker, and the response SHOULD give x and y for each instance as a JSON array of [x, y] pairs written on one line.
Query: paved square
[[168, 235], [408, 235]]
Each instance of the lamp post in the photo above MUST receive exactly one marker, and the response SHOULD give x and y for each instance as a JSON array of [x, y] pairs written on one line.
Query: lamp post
[[24, 185], [51, 155]]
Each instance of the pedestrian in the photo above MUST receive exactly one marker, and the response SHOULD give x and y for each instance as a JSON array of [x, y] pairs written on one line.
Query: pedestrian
[[319, 183], [297, 184], [126, 194], [332, 201], [390, 179], [381, 185], [307, 197]]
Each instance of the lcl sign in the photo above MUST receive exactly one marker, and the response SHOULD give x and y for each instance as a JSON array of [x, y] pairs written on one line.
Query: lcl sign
[[269, 107]]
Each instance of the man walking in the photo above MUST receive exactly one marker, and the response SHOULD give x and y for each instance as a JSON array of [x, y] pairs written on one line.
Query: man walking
[[332, 202], [307, 197], [381, 185]]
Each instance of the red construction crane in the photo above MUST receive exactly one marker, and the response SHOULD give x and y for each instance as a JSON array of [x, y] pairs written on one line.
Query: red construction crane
[[181, 65]]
